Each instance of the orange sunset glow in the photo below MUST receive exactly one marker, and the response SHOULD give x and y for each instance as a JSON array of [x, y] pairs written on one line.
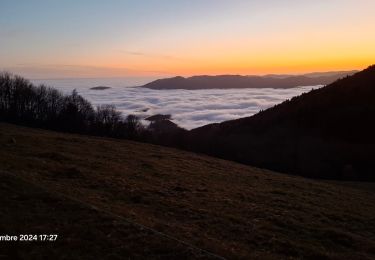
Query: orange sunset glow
[[214, 37]]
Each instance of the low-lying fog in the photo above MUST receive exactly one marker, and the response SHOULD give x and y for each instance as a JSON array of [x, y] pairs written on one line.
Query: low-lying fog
[[189, 108]]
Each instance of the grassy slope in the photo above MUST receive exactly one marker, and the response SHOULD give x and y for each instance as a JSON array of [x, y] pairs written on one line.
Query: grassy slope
[[84, 232], [230, 209]]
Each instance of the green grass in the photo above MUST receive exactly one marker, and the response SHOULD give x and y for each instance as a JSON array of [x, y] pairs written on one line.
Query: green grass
[[229, 209]]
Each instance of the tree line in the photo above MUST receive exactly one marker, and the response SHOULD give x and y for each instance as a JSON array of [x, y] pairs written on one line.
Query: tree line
[[22, 102]]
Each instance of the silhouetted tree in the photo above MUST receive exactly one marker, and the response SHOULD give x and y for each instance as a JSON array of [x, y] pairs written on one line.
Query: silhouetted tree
[[107, 120], [133, 126], [23, 103]]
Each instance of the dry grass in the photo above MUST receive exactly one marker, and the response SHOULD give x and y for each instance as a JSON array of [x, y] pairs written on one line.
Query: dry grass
[[230, 209], [83, 232]]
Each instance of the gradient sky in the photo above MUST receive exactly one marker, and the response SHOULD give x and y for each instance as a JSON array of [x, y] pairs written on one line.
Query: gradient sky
[[110, 38]]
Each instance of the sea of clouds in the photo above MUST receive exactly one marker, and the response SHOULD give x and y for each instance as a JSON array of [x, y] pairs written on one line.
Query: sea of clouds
[[189, 108]]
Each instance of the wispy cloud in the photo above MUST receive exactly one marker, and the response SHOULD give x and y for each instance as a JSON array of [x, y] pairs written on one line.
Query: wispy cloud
[[150, 55], [36, 70]]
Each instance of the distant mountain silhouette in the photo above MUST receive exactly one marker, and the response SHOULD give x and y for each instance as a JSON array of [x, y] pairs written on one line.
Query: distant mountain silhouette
[[100, 88], [162, 126], [237, 81], [158, 117], [326, 133]]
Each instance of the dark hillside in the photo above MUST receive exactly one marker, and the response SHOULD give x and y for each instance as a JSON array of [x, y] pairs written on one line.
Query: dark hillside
[[84, 188], [326, 133]]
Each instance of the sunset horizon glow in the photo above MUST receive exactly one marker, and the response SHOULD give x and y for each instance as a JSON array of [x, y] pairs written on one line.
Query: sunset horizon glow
[[46, 39]]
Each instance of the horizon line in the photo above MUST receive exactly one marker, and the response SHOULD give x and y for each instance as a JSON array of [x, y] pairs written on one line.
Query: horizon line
[[187, 76]]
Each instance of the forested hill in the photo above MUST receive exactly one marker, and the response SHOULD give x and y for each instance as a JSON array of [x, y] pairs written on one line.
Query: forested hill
[[237, 81], [326, 133]]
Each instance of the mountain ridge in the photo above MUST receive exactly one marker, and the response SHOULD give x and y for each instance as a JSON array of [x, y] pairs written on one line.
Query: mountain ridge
[[248, 81], [325, 133]]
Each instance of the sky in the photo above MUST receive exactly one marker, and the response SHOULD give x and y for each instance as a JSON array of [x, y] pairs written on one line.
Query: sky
[[117, 38]]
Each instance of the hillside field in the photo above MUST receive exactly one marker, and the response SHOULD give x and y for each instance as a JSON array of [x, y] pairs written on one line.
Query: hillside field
[[108, 198]]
